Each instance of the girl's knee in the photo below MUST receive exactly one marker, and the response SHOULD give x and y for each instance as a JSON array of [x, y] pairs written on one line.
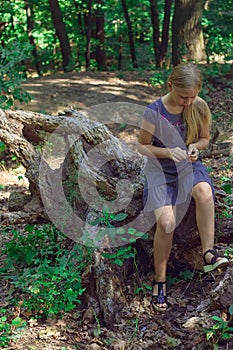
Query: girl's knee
[[166, 225], [165, 220], [202, 192]]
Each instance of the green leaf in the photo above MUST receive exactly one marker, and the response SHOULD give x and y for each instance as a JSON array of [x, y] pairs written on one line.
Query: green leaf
[[231, 310], [109, 256], [97, 331], [118, 262], [132, 231], [209, 334], [17, 322], [120, 231], [227, 188], [187, 275], [138, 290], [120, 217], [227, 336], [147, 286], [2, 146], [219, 319]]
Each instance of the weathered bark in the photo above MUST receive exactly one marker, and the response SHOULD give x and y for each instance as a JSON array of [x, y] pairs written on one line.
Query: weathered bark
[[187, 35]]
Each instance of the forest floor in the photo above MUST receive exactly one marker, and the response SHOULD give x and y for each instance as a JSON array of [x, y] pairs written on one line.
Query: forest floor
[[140, 327]]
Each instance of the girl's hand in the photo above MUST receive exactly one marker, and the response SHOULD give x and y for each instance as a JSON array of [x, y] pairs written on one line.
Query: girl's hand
[[177, 154], [193, 152]]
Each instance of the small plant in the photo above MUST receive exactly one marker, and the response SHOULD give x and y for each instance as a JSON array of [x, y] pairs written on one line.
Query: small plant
[[107, 226], [143, 288], [7, 326], [226, 184], [121, 254], [120, 75], [160, 77], [186, 275], [229, 253], [108, 219], [220, 330], [97, 330]]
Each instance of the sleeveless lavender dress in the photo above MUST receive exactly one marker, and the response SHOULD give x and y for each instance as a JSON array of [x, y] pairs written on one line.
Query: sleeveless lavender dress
[[168, 182]]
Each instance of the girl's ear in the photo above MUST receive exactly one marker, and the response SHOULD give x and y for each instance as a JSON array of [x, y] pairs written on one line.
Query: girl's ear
[[169, 85]]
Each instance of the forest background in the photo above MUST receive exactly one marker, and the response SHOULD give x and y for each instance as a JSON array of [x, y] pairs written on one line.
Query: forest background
[[42, 37], [43, 274]]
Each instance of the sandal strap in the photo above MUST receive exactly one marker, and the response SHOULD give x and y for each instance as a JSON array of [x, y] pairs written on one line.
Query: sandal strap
[[213, 259], [161, 298], [159, 283]]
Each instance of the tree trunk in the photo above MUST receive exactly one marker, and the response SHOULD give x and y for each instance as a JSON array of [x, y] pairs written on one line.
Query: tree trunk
[[81, 30], [99, 36], [62, 34], [165, 31], [130, 33], [155, 26], [30, 27], [187, 36], [89, 29]]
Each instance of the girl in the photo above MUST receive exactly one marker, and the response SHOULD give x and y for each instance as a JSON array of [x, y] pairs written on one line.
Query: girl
[[174, 129]]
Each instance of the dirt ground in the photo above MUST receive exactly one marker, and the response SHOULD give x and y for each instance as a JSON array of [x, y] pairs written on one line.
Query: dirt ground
[[140, 328], [52, 94]]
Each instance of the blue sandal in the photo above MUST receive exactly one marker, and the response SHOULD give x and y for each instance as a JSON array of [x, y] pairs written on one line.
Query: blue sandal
[[216, 261], [160, 298]]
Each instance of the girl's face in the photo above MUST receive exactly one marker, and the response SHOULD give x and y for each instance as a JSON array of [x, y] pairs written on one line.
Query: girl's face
[[183, 97]]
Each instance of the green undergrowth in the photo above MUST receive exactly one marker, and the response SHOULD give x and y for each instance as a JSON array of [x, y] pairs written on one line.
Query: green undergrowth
[[45, 268]]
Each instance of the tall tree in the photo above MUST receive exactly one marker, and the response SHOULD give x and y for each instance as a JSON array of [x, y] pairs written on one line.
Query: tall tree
[[30, 27], [130, 33], [61, 33], [165, 31], [81, 30], [155, 27], [160, 43], [89, 29], [187, 35], [99, 36]]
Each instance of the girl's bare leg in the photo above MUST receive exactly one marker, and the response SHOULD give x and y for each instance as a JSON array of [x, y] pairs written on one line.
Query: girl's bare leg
[[202, 195], [165, 225]]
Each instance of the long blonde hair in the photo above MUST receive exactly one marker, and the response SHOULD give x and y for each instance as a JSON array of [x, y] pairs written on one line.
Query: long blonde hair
[[197, 114]]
